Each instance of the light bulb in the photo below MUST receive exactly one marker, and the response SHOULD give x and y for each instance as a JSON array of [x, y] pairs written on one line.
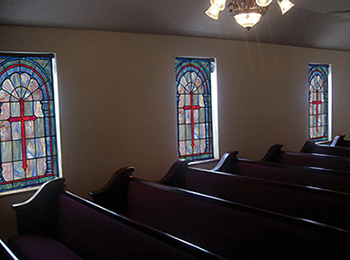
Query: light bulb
[[213, 12], [247, 20], [220, 4], [263, 3], [285, 5]]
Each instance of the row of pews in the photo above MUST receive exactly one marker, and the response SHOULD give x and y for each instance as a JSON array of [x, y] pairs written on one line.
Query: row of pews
[[280, 207], [244, 209]]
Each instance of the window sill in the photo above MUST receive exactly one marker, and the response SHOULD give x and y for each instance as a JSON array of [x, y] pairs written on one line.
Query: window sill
[[206, 164]]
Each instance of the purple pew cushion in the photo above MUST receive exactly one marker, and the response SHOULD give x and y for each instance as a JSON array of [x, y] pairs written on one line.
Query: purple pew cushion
[[41, 248]]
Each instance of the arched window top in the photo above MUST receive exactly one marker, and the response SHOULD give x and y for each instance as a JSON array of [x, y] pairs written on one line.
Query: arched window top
[[38, 69], [191, 82], [192, 73]]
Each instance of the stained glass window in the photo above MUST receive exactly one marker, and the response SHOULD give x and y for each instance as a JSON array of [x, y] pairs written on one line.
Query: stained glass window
[[318, 102], [28, 136], [194, 108]]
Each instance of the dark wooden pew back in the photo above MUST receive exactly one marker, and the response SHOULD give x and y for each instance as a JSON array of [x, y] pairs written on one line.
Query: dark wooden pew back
[[305, 202], [335, 150], [337, 163], [232, 230], [307, 176]]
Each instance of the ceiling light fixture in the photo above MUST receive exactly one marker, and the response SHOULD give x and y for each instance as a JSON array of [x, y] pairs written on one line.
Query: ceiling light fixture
[[247, 13]]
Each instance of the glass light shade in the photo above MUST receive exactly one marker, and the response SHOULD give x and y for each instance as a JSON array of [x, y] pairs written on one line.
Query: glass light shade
[[220, 4], [285, 5], [247, 20], [213, 12], [263, 3]]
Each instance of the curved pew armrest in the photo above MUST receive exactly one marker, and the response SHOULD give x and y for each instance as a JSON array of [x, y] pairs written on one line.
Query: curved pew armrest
[[308, 147], [116, 187], [273, 154], [227, 162], [47, 190], [38, 213], [176, 176]]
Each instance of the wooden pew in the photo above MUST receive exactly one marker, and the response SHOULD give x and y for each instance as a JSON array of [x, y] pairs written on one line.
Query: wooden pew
[[337, 163], [56, 224], [6, 253], [315, 204], [229, 229], [307, 176], [340, 141], [335, 150]]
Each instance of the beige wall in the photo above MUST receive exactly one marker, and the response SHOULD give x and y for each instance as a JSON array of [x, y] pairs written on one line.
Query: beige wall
[[117, 99]]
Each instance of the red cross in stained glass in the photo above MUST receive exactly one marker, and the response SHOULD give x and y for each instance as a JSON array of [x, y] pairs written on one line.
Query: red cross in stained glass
[[317, 103], [192, 108], [23, 119]]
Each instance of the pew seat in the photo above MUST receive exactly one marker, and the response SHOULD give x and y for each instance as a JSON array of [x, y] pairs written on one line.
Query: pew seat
[[57, 224]]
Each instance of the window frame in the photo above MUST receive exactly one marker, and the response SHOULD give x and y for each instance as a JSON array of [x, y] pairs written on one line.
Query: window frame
[[194, 158], [315, 69], [52, 100]]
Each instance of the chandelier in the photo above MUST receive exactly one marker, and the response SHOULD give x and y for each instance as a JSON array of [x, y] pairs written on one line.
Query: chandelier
[[247, 13]]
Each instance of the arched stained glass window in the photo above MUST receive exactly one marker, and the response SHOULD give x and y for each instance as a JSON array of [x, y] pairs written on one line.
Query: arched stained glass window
[[194, 108], [318, 102], [28, 152]]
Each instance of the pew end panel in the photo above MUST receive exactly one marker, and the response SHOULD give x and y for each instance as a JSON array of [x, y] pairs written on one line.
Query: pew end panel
[[273, 154], [227, 163], [38, 214], [176, 176], [113, 195], [308, 147]]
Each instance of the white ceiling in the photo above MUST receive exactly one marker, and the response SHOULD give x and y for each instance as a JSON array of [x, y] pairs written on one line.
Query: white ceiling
[[311, 23]]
